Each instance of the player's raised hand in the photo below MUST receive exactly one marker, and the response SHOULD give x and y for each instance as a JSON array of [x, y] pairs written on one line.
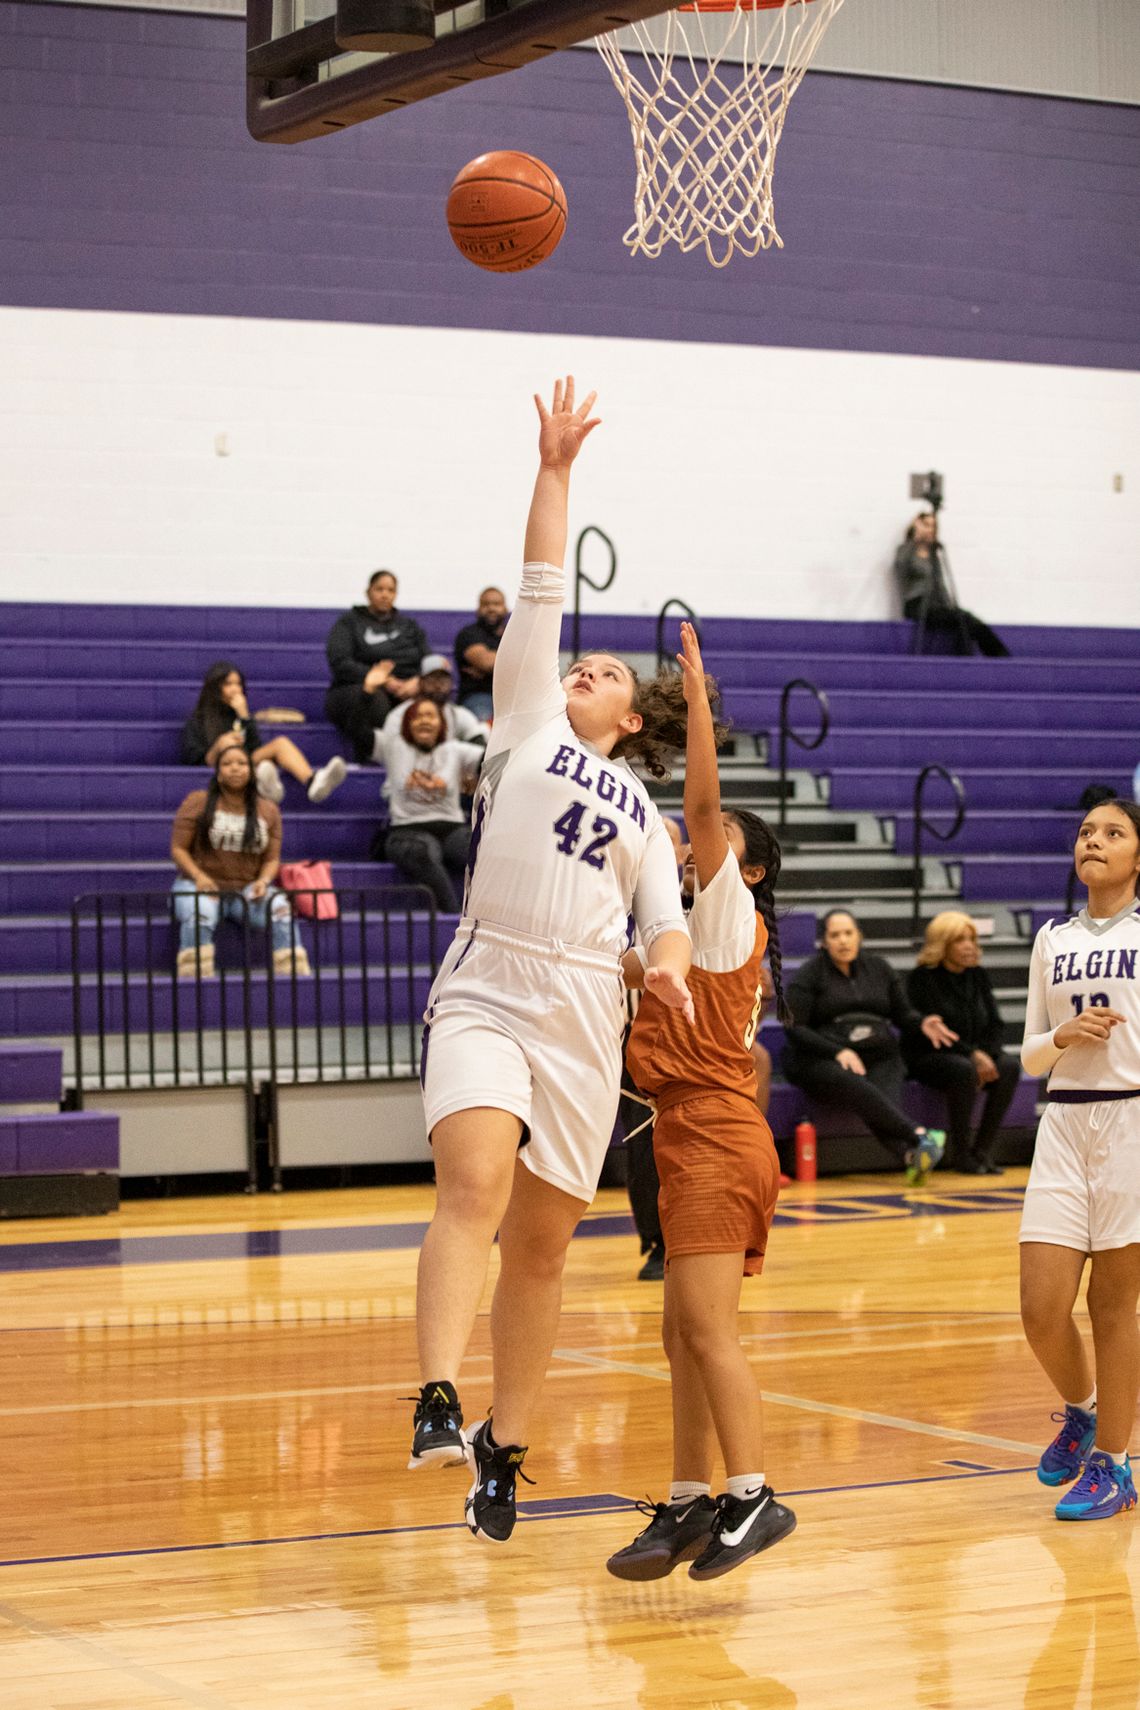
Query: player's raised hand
[[672, 991], [562, 428], [1092, 1027], [692, 666]]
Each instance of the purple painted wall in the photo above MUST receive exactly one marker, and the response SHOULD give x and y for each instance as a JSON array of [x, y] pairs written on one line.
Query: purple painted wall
[[916, 219]]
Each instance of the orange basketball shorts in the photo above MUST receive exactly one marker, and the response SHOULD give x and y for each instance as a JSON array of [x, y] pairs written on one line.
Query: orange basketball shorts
[[720, 1177]]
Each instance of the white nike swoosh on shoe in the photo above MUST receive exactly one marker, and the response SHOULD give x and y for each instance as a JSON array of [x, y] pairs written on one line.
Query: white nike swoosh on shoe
[[734, 1538]]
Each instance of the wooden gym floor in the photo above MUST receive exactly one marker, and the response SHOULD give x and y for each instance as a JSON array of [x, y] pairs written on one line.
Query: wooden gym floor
[[205, 1502]]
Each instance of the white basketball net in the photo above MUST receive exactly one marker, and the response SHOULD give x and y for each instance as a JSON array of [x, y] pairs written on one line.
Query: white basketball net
[[706, 110]]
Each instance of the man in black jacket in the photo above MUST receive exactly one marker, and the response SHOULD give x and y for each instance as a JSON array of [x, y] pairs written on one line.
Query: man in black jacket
[[374, 653]]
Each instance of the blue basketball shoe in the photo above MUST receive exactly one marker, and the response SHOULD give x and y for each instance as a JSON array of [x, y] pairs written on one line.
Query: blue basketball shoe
[[1103, 1489], [927, 1155], [1069, 1450]]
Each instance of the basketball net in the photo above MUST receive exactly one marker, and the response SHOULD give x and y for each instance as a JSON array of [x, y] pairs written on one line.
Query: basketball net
[[706, 110]]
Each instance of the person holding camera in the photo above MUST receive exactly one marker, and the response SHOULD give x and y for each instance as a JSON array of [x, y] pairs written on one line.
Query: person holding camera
[[927, 595]]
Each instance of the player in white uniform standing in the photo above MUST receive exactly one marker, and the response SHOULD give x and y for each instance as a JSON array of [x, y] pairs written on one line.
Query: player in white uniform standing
[[522, 1047], [1082, 1028]]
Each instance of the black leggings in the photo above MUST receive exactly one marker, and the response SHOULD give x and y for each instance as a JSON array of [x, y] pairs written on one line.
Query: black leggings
[[430, 853], [873, 1097], [357, 715], [954, 1075], [968, 630]]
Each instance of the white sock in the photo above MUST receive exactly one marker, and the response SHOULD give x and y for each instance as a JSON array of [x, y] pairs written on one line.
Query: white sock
[[745, 1485], [1119, 1460], [686, 1489], [1088, 1406]]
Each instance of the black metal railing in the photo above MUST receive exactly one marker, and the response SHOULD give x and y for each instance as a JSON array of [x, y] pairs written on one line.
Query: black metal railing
[[666, 655], [787, 734], [341, 1000], [921, 824], [581, 577]]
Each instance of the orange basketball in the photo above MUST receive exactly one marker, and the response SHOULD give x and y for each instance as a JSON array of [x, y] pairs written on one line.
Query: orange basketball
[[506, 211]]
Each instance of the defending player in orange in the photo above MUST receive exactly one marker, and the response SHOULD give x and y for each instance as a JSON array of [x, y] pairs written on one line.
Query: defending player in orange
[[719, 1174]]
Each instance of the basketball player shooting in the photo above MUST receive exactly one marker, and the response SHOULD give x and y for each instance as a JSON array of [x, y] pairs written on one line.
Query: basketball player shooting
[[522, 1043]]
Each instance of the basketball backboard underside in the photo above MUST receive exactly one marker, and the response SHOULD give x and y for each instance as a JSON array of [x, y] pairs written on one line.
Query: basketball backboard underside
[[301, 84]]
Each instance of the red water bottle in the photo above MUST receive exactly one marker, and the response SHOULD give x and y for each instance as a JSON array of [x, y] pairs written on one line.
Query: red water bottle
[[805, 1152]]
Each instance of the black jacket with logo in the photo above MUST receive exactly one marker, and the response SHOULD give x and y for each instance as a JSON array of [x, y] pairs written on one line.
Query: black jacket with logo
[[359, 639]]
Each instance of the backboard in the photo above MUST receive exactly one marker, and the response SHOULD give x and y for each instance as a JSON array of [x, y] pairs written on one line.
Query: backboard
[[301, 82]]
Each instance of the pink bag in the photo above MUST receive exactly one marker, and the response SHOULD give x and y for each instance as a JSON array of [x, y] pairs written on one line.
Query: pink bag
[[300, 878]]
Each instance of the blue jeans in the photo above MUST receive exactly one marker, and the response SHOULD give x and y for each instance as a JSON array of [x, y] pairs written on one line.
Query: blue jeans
[[479, 702], [198, 913]]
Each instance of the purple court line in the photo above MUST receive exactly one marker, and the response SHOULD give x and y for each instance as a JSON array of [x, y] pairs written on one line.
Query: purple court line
[[571, 1509], [100, 1252]]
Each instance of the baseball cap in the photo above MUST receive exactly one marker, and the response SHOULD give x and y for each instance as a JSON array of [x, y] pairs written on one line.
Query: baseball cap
[[435, 662]]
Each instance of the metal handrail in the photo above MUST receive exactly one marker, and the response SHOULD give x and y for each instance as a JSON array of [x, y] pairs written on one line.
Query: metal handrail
[[787, 734], [665, 654], [244, 1026], [921, 824], [580, 576]]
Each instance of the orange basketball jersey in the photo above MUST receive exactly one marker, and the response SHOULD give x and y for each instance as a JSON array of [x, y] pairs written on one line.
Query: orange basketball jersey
[[671, 1060]]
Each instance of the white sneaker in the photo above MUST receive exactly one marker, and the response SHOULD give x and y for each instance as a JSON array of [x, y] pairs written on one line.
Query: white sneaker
[[330, 777], [269, 782]]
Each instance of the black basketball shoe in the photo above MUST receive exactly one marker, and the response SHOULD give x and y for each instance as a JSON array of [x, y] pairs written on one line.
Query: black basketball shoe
[[438, 1422], [677, 1532], [490, 1506], [743, 1527]]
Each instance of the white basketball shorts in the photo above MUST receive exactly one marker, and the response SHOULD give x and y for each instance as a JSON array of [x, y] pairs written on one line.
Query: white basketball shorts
[[1084, 1185], [534, 1027]]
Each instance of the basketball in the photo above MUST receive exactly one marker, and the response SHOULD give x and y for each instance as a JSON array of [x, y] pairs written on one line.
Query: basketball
[[506, 211]]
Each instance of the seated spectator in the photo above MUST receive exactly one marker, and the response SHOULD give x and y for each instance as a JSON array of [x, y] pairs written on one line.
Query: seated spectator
[[374, 653], [841, 1047], [226, 844], [949, 978], [222, 719], [475, 649], [429, 834], [436, 683], [926, 595]]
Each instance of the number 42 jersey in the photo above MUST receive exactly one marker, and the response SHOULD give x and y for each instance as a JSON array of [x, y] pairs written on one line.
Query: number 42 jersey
[[565, 843], [562, 838], [1080, 964]]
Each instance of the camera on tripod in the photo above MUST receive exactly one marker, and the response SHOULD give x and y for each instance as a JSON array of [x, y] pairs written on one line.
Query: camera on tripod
[[928, 487]]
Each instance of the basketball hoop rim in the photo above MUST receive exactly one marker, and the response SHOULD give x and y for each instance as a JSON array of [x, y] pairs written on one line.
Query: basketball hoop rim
[[739, 5]]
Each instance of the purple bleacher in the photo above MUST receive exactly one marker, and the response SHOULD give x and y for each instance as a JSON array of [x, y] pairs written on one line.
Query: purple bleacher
[[1094, 752], [1010, 878], [35, 887], [116, 836], [30, 1074], [86, 801], [160, 789], [885, 790], [30, 1008], [43, 944], [993, 831], [59, 1144], [106, 742], [789, 1106], [230, 625]]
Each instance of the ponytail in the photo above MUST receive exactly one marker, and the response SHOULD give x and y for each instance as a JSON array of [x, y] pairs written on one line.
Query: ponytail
[[660, 742]]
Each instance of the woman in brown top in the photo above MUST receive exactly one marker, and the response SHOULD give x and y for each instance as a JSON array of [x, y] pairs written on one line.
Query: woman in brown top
[[226, 845]]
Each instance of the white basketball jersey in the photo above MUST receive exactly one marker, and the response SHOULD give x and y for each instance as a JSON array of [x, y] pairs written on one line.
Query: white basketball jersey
[[1077, 965], [566, 844]]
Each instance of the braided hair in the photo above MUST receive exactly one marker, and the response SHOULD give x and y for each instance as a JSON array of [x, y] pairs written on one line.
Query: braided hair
[[761, 849]]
